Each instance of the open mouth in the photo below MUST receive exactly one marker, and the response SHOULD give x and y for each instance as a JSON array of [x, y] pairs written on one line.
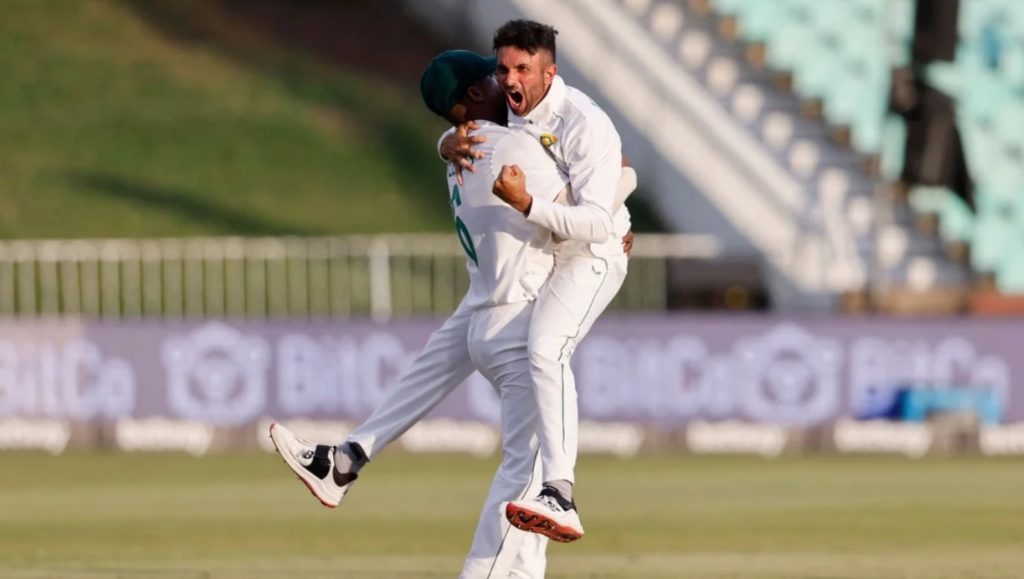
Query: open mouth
[[515, 99]]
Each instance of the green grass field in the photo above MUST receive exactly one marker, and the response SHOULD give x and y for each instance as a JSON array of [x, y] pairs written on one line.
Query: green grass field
[[155, 118], [244, 516], [166, 117]]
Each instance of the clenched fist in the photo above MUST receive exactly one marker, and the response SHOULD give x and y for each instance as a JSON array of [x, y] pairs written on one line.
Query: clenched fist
[[510, 187]]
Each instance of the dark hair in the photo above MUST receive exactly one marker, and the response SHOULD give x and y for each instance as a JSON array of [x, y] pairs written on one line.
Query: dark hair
[[526, 35]]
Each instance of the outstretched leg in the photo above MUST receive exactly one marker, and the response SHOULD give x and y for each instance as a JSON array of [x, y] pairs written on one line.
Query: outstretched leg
[[330, 471]]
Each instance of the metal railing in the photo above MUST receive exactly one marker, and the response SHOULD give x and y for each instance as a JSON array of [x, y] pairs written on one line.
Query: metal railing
[[377, 276]]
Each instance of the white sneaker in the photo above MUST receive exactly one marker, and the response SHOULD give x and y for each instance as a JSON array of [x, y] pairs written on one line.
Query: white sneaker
[[313, 464], [549, 514]]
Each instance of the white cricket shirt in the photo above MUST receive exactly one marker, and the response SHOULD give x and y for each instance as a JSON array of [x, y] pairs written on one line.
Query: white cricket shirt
[[588, 149], [508, 257]]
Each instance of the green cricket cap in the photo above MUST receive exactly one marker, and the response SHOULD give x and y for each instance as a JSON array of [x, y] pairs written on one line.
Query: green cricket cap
[[447, 77]]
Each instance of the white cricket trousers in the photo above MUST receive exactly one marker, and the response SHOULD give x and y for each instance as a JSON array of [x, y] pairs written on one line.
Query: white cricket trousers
[[443, 364], [498, 338], [579, 290]]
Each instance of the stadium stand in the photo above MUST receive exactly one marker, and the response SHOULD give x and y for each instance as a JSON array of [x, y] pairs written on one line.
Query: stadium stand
[[766, 125], [840, 54]]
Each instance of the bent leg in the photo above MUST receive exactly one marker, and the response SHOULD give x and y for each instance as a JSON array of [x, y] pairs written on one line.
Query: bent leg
[[579, 290]]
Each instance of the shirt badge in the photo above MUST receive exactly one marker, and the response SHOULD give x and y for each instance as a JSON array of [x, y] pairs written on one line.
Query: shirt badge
[[547, 139]]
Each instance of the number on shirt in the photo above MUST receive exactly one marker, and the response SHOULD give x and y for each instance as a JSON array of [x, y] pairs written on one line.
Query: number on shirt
[[460, 227]]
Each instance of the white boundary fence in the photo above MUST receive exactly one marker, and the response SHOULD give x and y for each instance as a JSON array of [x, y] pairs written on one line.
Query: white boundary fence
[[326, 277]]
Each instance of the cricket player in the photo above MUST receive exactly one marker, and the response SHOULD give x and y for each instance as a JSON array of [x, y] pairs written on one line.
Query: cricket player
[[590, 266], [509, 260]]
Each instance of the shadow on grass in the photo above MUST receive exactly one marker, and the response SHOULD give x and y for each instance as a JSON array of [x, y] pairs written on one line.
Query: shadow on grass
[[185, 203], [358, 56]]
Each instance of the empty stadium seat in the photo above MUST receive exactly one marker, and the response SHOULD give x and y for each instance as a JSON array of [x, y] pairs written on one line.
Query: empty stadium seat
[[894, 137], [835, 50], [841, 51]]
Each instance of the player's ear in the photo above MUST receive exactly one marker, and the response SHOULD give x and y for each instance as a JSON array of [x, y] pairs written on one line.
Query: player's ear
[[549, 73], [476, 93]]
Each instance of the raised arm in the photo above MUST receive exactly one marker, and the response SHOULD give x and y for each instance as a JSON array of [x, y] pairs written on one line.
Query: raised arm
[[511, 185], [593, 152]]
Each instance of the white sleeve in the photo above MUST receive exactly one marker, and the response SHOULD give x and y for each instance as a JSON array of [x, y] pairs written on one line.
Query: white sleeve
[[583, 223], [543, 180], [444, 136], [627, 184], [593, 153]]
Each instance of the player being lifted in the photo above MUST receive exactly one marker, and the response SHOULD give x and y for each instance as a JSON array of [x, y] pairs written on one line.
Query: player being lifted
[[444, 363], [508, 260], [590, 266]]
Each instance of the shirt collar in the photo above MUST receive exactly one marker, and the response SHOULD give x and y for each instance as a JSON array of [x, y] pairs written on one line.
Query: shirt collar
[[545, 109]]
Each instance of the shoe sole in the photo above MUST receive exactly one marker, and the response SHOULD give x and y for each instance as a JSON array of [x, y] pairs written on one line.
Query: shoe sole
[[533, 522], [297, 470]]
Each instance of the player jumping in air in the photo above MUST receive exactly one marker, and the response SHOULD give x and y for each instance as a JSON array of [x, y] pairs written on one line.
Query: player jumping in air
[[590, 266]]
